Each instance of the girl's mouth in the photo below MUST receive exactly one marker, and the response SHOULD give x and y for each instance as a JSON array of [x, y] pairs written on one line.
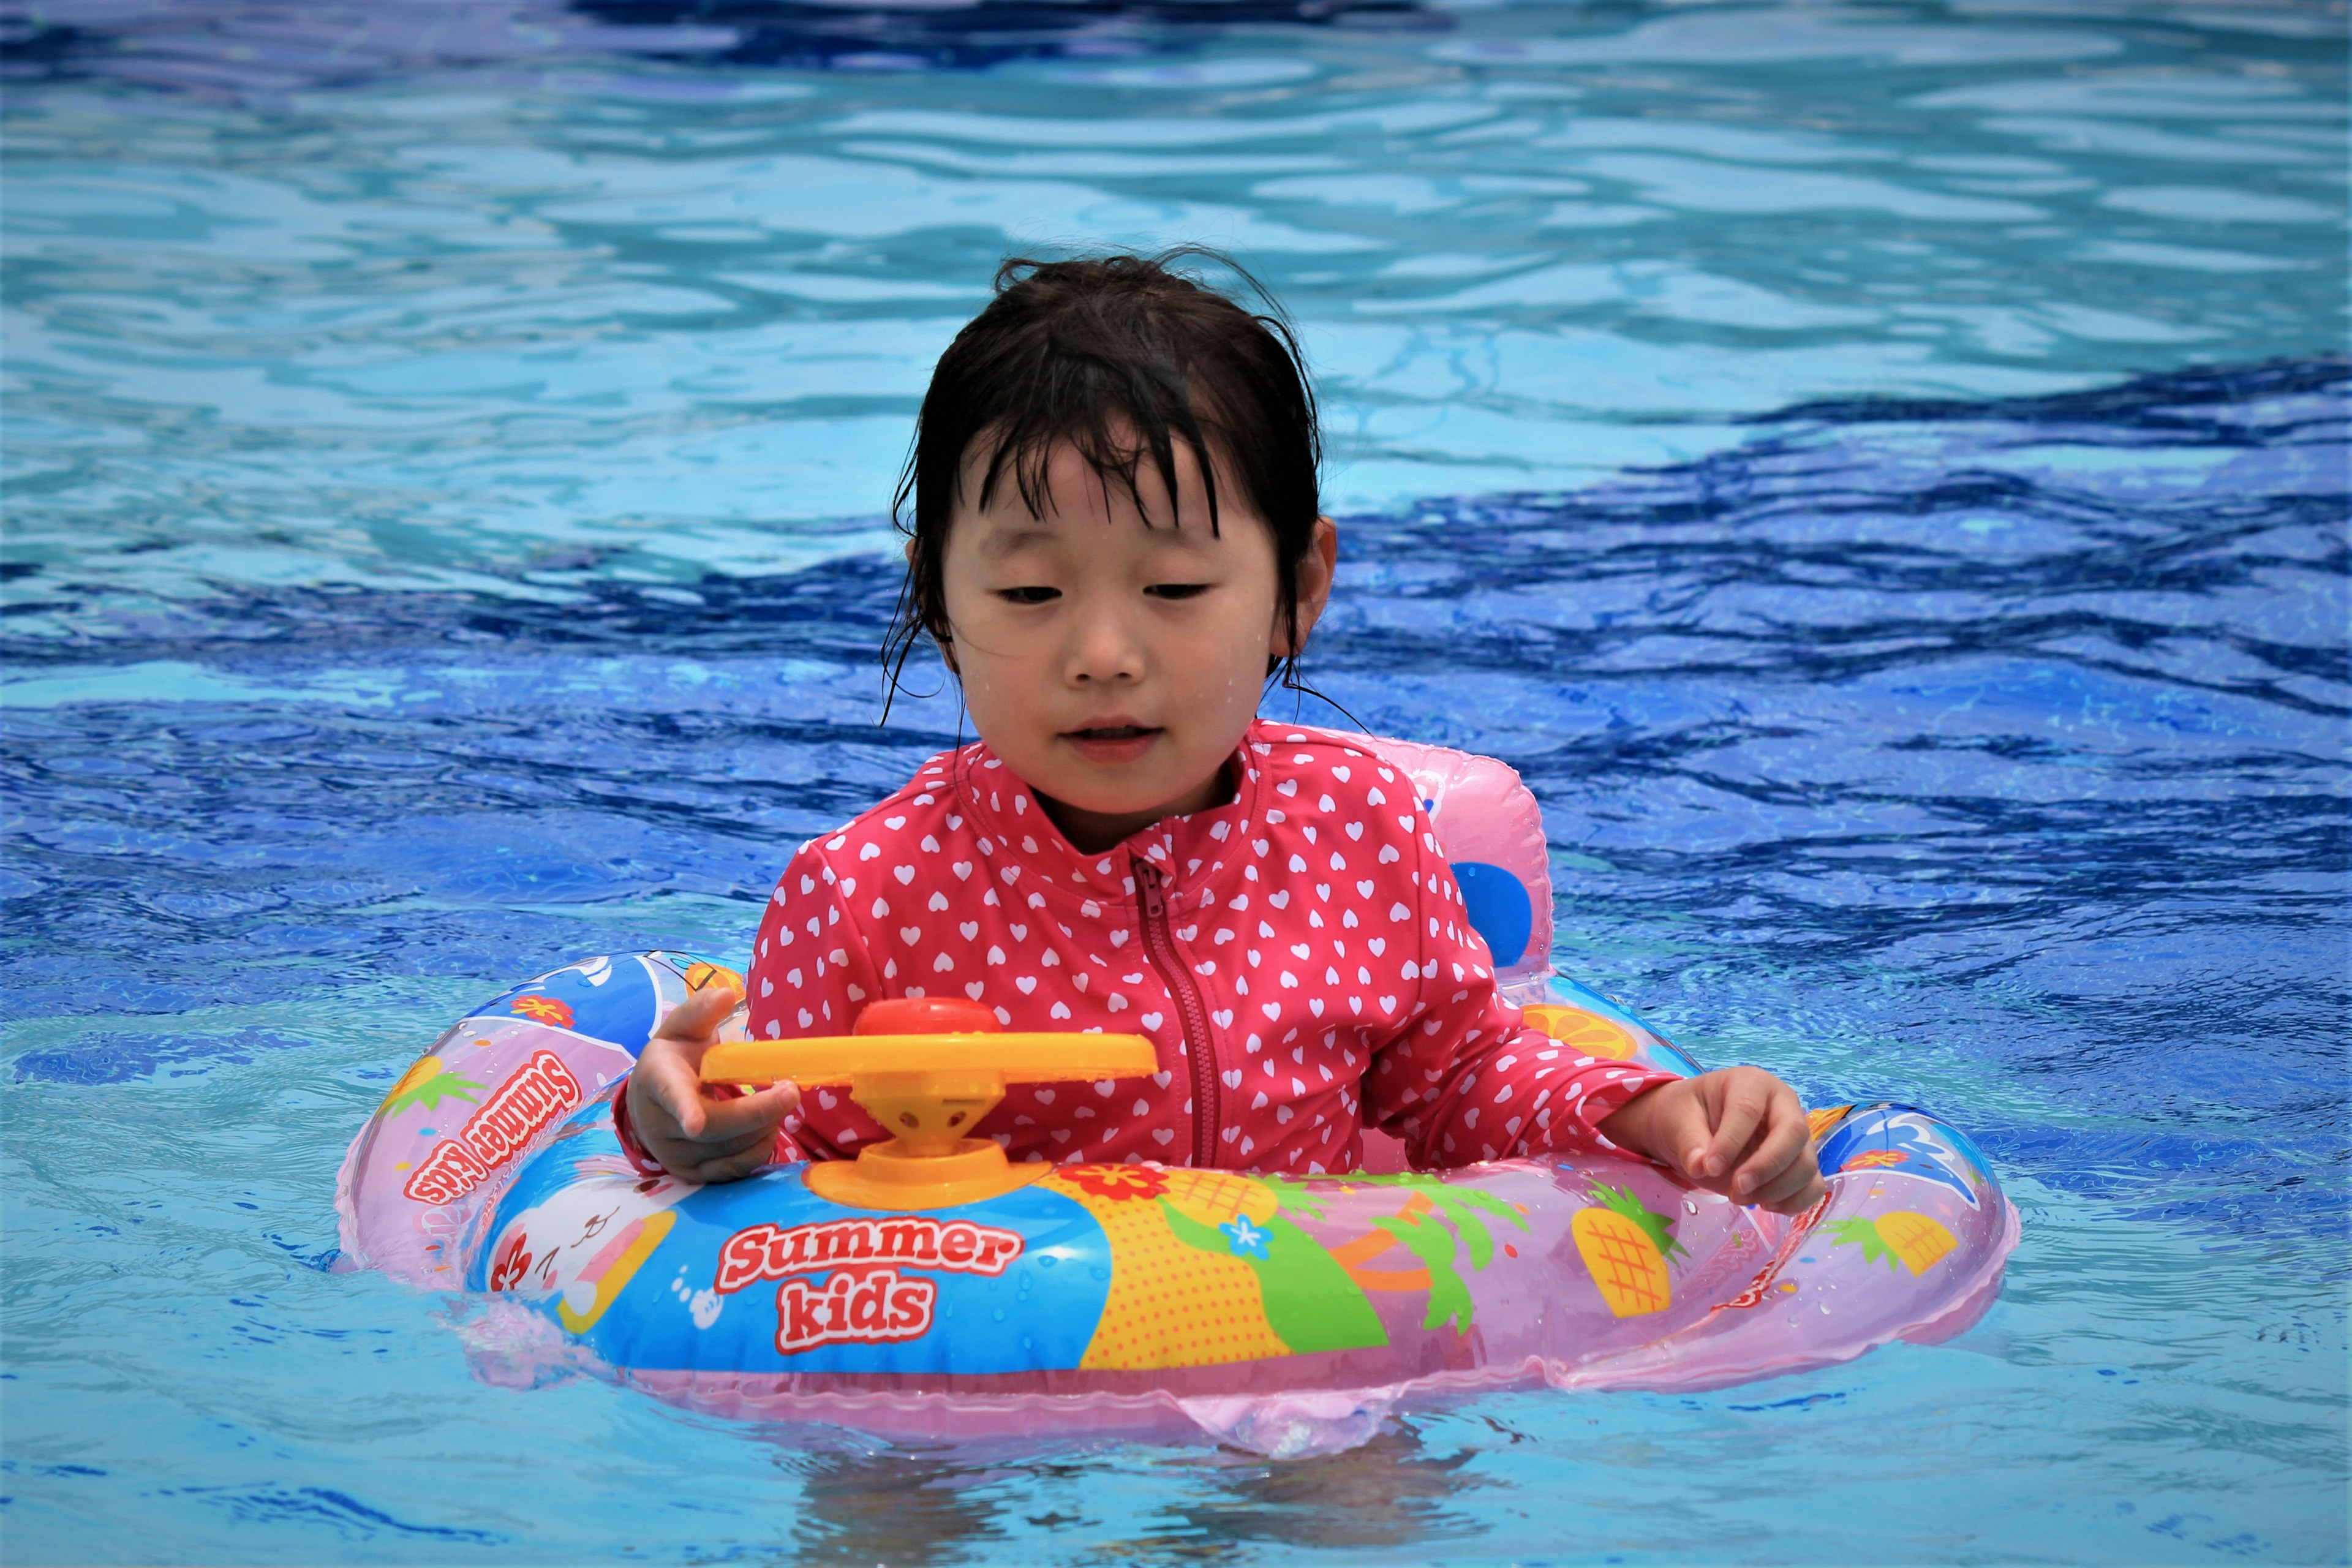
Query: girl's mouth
[[1112, 742]]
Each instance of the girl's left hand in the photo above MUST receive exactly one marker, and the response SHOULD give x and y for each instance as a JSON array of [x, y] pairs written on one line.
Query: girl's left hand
[[1740, 1131]]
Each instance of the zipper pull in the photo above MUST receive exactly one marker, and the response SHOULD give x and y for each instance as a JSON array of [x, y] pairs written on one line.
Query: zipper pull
[[1147, 877]]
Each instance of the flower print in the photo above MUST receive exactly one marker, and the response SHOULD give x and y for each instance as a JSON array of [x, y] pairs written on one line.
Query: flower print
[[1246, 1240], [544, 1009], [1119, 1183]]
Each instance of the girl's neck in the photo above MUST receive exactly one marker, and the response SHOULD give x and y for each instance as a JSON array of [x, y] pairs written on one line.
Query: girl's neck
[[1092, 832]]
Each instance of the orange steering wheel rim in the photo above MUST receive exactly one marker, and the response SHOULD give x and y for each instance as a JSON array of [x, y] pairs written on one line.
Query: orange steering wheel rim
[[1017, 1056]]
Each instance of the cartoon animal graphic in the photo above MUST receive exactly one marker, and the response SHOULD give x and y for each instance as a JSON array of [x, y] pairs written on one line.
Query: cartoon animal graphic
[[428, 1082], [1898, 1137], [1625, 1248], [585, 1243], [1918, 1241]]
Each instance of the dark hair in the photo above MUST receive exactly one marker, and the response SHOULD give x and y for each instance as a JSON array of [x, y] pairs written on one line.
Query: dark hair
[[1120, 357]]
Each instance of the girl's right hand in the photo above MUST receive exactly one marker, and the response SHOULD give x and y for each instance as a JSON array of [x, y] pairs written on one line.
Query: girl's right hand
[[1736, 1130], [698, 1136]]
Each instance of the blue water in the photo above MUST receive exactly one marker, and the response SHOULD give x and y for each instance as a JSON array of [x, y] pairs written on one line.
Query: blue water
[[1880, 471]]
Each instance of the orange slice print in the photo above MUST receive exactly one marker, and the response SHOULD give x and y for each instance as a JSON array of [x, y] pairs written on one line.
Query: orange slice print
[[705, 973], [1587, 1034], [1820, 1121], [1352, 1255]]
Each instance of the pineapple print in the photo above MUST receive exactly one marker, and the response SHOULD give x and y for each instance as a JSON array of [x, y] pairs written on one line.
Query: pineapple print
[[1915, 1238], [428, 1082], [1625, 1246], [1171, 1302]]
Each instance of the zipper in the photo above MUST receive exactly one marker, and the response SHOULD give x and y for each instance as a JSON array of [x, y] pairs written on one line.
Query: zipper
[[1200, 1046]]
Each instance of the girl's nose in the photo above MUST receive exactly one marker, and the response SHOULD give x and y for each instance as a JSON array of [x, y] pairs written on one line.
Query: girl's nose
[[1104, 646]]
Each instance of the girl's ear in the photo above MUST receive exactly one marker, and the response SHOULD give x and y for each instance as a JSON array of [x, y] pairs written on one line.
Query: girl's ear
[[941, 639], [1315, 573]]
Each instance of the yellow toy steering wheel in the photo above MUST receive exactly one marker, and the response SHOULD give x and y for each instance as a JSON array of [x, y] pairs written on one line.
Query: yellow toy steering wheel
[[926, 1068]]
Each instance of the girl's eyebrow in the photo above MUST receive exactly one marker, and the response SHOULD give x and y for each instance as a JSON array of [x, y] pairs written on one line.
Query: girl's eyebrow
[[1010, 540]]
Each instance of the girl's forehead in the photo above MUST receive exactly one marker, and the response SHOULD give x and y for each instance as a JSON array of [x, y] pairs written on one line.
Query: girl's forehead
[[1003, 531], [1054, 481], [1070, 501]]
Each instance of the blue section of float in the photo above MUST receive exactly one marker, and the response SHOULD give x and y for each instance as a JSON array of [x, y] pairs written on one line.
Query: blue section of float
[[1039, 1314], [1907, 1140], [1498, 908], [586, 1132], [614, 999]]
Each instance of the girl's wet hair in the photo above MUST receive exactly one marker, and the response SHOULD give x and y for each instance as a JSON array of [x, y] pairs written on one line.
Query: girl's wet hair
[[1120, 357]]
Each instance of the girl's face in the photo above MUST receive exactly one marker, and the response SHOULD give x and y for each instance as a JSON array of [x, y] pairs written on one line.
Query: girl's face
[[1113, 663]]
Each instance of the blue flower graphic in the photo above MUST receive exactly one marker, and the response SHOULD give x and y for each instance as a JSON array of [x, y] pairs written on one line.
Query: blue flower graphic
[[1247, 1240]]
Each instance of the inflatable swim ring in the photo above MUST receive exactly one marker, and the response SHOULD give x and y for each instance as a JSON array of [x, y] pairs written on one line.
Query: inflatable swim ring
[[932, 1289]]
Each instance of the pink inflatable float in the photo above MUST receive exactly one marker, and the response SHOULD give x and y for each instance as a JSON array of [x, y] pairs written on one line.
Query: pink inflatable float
[[930, 1289]]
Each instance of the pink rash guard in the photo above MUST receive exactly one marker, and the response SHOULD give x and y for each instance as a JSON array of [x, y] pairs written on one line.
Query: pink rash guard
[[1300, 955]]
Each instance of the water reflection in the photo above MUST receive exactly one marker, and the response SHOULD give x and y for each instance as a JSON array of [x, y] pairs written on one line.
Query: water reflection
[[910, 1510], [1390, 1494]]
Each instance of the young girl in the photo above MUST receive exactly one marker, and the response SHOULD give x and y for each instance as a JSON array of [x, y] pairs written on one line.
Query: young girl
[[1116, 542]]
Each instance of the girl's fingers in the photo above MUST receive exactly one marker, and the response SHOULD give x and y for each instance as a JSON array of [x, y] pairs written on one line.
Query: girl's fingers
[[1674, 1127], [1744, 1103], [726, 1129], [1796, 1187], [675, 1088], [1783, 1140], [695, 1021], [1740, 1132], [725, 1148], [725, 1119], [733, 1167], [670, 1066], [681, 1158], [1803, 1198]]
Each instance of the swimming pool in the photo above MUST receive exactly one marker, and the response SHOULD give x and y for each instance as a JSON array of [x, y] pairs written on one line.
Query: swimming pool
[[1879, 471]]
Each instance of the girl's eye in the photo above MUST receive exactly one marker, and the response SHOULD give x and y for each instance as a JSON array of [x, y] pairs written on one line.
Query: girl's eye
[[1177, 590], [1032, 595]]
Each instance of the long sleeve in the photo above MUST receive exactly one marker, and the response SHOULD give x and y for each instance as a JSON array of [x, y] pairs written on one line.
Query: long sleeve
[[1465, 1079], [810, 974]]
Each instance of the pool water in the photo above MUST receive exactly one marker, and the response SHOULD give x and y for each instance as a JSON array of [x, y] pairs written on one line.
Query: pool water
[[1880, 471]]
